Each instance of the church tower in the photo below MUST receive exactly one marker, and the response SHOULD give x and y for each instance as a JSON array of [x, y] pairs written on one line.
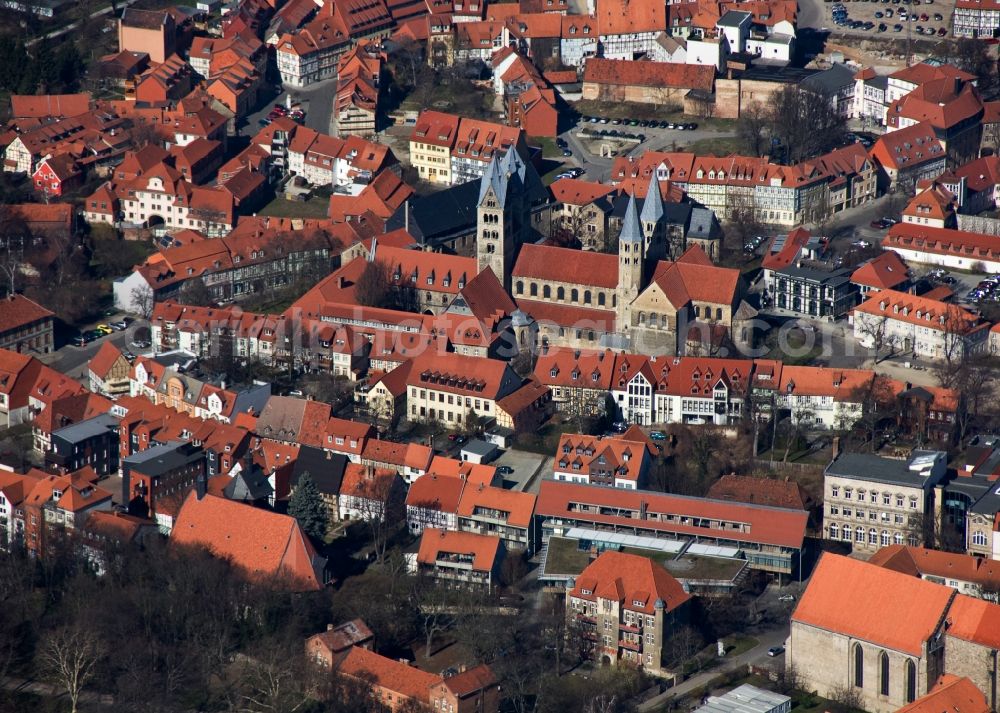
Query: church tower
[[503, 218], [652, 221], [631, 259]]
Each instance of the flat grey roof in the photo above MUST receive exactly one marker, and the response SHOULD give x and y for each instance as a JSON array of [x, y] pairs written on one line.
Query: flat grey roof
[[744, 699], [479, 448], [876, 469], [732, 18], [81, 431]]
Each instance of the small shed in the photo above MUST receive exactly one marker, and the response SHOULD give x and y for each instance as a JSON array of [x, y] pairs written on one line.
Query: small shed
[[477, 451], [500, 437]]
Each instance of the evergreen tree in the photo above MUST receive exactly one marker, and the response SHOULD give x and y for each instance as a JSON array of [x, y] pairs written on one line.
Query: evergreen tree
[[308, 508]]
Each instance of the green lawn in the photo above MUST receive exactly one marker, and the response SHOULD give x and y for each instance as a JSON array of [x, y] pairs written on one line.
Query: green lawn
[[739, 644], [565, 557], [315, 207], [695, 567], [722, 146], [548, 147]]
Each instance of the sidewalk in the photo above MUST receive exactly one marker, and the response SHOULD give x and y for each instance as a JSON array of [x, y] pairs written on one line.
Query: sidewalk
[[773, 638]]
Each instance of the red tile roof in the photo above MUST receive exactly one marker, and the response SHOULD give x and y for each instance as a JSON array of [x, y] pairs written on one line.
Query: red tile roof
[[908, 147], [937, 103], [261, 542], [950, 693], [575, 368], [761, 491], [921, 560], [104, 359], [484, 549], [885, 272], [942, 241], [693, 278], [49, 105], [579, 267], [575, 191], [474, 679], [929, 313], [789, 252], [520, 507], [18, 311], [433, 492], [873, 604], [628, 17], [772, 526], [975, 620], [392, 675], [637, 583], [649, 74]]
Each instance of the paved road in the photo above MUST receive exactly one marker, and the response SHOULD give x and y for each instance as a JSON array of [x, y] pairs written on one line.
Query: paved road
[[598, 168], [73, 360], [758, 654], [316, 100], [73, 25]]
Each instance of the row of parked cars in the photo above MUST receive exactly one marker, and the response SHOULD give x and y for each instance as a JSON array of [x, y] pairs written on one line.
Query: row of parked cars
[[987, 289], [101, 330], [295, 114], [644, 123], [942, 276], [841, 18]]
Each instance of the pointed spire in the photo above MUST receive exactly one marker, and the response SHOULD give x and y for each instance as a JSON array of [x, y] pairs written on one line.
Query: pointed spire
[[631, 228], [652, 208]]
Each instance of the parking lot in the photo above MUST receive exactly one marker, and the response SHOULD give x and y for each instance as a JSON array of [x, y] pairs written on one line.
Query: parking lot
[[873, 17], [522, 465]]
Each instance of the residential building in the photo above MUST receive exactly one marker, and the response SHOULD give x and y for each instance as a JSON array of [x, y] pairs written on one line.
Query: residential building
[[972, 18], [460, 559], [260, 543], [973, 576], [165, 471], [933, 206], [619, 461], [921, 326], [25, 326], [92, 442], [56, 506], [356, 103], [449, 149], [951, 107], [626, 29], [629, 605], [872, 501], [395, 683], [580, 382], [151, 31], [108, 371], [488, 510], [691, 390], [818, 396], [885, 272], [944, 247], [769, 538], [14, 488], [908, 155], [325, 648]]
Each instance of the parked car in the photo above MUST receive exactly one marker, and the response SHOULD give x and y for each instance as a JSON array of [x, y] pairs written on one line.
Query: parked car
[[296, 392], [658, 435], [619, 426], [941, 32], [104, 329], [80, 341], [786, 598], [120, 326], [861, 244], [141, 344], [776, 651], [264, 122], [505, 470]]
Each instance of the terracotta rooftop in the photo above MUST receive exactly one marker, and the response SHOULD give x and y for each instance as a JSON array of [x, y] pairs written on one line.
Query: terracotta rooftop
[[873, 604]]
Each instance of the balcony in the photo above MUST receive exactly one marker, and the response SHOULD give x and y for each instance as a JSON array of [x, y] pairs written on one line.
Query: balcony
[[630, 629], [630, 645]]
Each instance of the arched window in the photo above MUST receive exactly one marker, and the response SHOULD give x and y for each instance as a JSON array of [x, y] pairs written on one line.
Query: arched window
[[883, 673], [911, 681], [873, 536], [697, 311], [859, 534], [718, 314], [520, 287], [560, 293], [834, 531], [886, 538], [642, 318], [979, 538], [859, 666], [600, 299], [547, 292], [574, 295], [663, 321], [586, 297], [897, 539]]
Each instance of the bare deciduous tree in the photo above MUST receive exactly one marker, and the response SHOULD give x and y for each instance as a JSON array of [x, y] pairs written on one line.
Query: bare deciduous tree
[[70, 656], [752, 129]]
